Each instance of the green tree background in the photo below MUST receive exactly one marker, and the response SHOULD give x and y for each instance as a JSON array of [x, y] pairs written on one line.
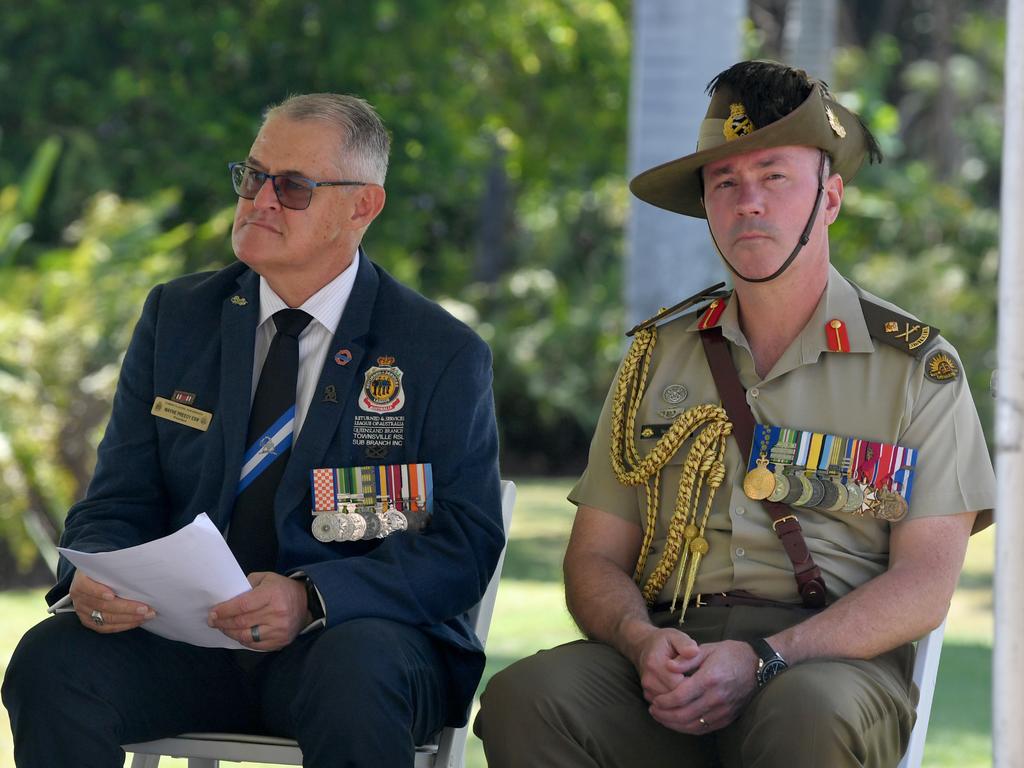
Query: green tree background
[[507, 193]]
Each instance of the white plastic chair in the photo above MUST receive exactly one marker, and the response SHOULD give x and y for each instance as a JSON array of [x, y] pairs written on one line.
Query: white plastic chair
[[926, 668], [206, 750]]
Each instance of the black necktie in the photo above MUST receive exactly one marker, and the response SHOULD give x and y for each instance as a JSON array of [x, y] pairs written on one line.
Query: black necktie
[[252, 536]]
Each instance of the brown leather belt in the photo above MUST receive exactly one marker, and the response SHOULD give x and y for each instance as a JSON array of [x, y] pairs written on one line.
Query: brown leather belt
[[727, 600]]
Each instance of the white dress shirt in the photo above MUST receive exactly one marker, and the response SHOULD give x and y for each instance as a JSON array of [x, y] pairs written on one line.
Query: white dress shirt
[[326, 307]]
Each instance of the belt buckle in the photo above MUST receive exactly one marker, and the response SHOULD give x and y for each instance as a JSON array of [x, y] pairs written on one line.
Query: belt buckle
[[783, 519]]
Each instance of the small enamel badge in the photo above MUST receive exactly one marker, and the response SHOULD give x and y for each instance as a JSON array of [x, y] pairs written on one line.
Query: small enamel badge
[[941, 367], [330, 394], [382, 388], [343, 357]]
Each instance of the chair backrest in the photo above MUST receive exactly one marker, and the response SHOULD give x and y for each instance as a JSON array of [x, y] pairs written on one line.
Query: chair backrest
[[451, 746], [482, 612], [926, 669]]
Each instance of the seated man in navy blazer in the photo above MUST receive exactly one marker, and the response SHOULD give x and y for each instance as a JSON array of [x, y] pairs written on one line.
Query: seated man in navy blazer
[[301, 379]]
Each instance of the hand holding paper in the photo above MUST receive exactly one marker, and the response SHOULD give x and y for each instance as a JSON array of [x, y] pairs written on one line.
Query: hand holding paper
[[180, 576]]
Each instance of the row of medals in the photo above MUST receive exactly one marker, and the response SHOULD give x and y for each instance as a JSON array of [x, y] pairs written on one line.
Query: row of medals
[[360, 522], [827, 493]]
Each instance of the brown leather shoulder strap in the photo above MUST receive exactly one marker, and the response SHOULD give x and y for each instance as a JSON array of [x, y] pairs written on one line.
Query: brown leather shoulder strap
[[809, 581]]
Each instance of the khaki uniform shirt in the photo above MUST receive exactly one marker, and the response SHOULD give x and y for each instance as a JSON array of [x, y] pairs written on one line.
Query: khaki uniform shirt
[[874, 392]]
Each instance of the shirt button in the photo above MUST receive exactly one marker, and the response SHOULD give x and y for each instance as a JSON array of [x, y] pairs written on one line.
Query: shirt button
[[740, 551], [740, 511], [754, 392]]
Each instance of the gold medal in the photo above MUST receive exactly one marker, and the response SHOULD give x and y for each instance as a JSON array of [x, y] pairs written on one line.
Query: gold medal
[[781, 487], [760, 481], [891, 506]]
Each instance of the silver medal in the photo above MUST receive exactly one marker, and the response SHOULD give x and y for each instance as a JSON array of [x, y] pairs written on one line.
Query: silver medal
[[326, 527]]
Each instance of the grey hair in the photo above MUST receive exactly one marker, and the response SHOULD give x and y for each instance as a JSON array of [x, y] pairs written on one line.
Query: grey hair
[[365, 146]]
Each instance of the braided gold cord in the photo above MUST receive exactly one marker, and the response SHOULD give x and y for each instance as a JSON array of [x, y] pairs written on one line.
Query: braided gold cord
[[698, 468], [683, 531]]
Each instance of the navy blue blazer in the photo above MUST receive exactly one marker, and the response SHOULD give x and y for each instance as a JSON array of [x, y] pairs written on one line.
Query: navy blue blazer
[[153, 476]]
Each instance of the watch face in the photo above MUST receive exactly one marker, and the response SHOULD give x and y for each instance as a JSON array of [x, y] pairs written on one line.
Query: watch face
[[771, 668]]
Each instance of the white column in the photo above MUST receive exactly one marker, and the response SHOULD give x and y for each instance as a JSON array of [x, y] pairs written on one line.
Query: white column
[[677, 48], [810, 36], [1008, 655]]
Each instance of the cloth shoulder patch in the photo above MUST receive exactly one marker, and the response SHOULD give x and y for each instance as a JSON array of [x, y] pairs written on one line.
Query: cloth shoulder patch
[[898, 330], [941, 367]]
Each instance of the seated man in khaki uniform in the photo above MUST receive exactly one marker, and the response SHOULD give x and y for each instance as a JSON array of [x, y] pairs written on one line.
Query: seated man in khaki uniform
[[751, 576]]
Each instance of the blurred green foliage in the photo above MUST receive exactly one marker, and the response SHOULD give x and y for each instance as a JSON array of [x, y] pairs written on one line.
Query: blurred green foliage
[[506, 196]]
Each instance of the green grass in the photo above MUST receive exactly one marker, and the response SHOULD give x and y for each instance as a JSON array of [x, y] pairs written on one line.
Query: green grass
[[530, 614]]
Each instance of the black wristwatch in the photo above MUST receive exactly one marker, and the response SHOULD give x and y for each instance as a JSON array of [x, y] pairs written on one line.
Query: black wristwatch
[[769, 662]]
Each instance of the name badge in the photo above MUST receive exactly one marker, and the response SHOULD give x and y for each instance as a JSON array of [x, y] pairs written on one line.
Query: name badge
[[181, 414]]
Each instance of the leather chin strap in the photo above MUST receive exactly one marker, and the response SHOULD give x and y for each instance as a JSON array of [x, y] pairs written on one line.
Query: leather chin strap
[[805, 236]]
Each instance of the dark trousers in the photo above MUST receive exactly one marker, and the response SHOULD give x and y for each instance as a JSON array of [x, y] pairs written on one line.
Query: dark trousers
[[363, 693]]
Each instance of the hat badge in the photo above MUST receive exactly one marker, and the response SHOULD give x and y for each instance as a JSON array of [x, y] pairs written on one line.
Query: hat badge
[[738, 124], [833, 121]]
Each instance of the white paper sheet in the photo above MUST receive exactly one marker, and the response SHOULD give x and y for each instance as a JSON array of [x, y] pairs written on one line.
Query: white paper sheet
[[180, 576]]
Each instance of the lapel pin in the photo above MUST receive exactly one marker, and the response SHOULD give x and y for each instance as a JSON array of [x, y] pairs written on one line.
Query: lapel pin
[[343, 357], [239, 301], [330, 394]]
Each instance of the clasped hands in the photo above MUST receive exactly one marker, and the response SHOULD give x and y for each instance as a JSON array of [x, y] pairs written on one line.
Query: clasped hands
[[276, 605], [694, 688]]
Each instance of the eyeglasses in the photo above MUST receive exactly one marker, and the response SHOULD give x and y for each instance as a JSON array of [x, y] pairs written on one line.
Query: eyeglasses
[[292, 191]]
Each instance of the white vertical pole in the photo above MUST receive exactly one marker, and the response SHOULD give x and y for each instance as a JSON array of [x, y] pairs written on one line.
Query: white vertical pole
[[1008, 655], [677, 48], [809, 39]]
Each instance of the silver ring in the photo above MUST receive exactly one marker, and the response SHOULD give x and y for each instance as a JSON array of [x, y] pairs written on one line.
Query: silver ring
[[703, 722], [254, 632], [97, 618]]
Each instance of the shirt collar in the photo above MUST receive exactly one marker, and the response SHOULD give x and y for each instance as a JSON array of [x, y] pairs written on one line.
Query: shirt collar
[[840, 301], [325, 306]]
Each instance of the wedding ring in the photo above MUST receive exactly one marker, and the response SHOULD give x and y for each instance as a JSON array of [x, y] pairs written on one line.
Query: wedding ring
[[97, 618], [254, 631]]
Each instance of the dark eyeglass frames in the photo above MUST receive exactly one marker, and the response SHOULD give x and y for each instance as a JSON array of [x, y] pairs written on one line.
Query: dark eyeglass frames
[[292, 191]]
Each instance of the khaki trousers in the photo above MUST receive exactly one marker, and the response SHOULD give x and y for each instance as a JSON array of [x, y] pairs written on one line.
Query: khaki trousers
[[581, 704]]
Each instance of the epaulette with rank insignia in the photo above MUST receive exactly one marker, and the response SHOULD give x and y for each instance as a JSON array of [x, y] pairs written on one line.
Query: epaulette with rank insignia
[[898, 330], [711, 293]]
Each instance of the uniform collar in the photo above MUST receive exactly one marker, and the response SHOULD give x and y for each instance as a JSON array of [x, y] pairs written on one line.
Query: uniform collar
[[840, 301]]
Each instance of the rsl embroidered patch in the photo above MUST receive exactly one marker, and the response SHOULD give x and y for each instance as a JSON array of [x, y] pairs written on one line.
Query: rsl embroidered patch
[[378, 430], [382, 388], [941, 367]]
